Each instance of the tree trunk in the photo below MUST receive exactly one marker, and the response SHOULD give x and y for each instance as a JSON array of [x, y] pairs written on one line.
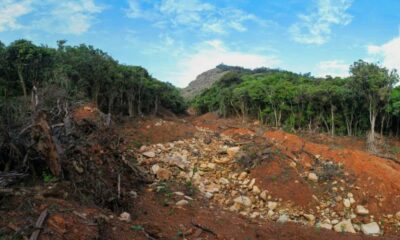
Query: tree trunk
[[371, 137], [332, 120], [21, 81]]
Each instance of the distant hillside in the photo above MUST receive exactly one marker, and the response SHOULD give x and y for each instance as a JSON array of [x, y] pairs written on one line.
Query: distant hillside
[[202, 82], [207, 79]]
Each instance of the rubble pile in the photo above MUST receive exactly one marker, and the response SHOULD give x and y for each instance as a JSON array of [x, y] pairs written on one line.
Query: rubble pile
[[211, 163]]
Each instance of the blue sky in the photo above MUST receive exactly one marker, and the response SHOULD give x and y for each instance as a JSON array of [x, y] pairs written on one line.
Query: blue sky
[[178, 39]]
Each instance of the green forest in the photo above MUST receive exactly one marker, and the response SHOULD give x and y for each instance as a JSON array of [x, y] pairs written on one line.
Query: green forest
[[365, 102], [79, 73]]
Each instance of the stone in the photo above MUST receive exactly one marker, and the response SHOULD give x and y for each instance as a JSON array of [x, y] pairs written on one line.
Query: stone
[[182, 203], [272, 205], [149, 154], [264, 195], [179, 161], [397, 215], [243, 200], [256, 190], [361, 210], [242, 175], [283, 218], [251, 184], [255, 214], [325, 226], [126, 217], [309, 217], [344, 226], [211, 166], [224, 181], [164, 174], [312, 177], [142, 149], [370, 229], [213, 188], [155, 168], [232, 151], [346, 203]]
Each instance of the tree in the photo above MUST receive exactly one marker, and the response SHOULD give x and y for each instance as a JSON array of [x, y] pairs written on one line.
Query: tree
[[375, 83]]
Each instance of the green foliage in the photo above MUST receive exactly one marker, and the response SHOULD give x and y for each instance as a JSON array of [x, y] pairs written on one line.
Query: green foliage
[[295, 102], [83, 72], [47, 177], [137, 228]]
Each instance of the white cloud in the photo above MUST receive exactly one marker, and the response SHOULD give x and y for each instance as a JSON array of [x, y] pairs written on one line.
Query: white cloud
[[334, 68], [193, 14], [68, 17], [10, 11], [315, 28], [211, 53], [388, 52]]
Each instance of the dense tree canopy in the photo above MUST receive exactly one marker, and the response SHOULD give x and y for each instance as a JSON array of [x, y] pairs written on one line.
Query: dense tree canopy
[[82, 72], [345, 106]]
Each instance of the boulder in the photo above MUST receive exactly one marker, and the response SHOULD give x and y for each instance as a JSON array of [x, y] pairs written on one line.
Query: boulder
[[232, 151], [344, 226], [272, 205], [149, 154], [126, 217], [312, 177], [361, 210], [182, 203], [371, 229], [243, 200], [264, 195], [283, 218]]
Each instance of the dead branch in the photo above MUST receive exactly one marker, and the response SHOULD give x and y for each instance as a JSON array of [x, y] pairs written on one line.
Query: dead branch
[[39, 224], [205, 229]]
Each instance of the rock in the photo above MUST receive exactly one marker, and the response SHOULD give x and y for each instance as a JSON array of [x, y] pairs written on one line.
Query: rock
[[209, 195], [397, 215], [264, 195], [179, 193], [243, 200], [283, 218], [235, 207], [361, 210], [182, 203], [272, 205], [346, 203], [242, 175], [251, 184], [325, 226], [164, 174], [142, 149], [312, 177], [224, 181], [344, 226], [149, 154], [309, 217], [256, 190], [232, 151], [179, 161], [370, 229], [255, 214], [213, 188], [211, 166], [126, 217], [155, 168]]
